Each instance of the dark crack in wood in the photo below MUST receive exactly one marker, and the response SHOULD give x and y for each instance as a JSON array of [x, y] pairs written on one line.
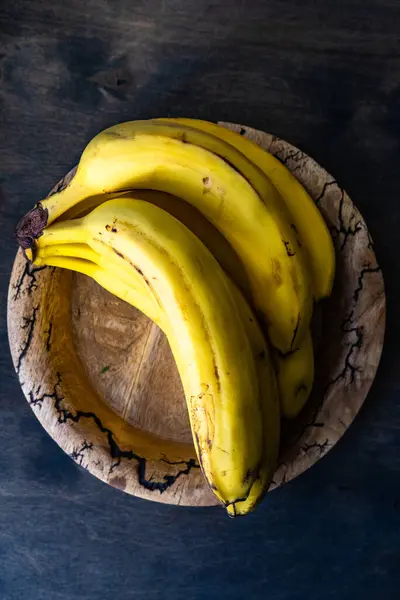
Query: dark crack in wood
[[79, 452], [66, 415], [349, 368], [360, 282], [48, 333], [294, 155], [28, 324], [342, 229], [323, 191], [315, 445], [35, 400], [29, 272]]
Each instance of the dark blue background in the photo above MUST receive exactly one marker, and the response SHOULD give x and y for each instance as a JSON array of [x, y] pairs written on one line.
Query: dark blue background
[[325, 76]]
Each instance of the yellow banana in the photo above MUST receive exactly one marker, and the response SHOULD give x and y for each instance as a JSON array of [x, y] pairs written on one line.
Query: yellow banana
[[189, 216], [205, 332], [304, 214], [295, 375], [270, 410], [147, 258], [140, 155], [61, 255], [105, 258], [294, 370]]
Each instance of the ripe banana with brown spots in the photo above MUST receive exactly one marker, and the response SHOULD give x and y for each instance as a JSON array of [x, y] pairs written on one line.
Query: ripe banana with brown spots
[[264, 230], [294, 370], [219, 367], [305, 217], [227, 188], [114, 274]]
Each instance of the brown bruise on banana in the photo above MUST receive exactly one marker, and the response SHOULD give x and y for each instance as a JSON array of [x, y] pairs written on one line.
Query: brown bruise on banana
[[294, 228], [218, 191], [251, 475], [217, 378], [118, 253], [198, 450], [202, 411], [289, 250], [207, 183], [276, 272], [147, 282]]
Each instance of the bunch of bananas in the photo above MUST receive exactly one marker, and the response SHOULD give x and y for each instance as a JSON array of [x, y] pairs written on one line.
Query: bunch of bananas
[[216, 242]]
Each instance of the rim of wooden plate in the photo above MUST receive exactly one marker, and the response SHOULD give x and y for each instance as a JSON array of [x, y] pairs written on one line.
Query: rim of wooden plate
[[345, 368]]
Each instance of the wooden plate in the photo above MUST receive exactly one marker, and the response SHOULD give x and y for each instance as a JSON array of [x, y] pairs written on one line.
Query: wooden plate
[[101, 379]]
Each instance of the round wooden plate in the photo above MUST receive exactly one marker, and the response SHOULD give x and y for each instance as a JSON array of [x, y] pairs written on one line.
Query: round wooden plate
[[101, 379]]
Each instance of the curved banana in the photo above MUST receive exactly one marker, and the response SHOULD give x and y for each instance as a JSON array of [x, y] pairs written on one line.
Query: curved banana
[[140, 155], [294, 370], [206, 335], [270, 410], [188, 215], [295, 374], [304, 214], [105, 258], [64, 256]]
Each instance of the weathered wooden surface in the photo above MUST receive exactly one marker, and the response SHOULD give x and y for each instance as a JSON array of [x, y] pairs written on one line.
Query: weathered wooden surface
[[128, 366], [323, 75]]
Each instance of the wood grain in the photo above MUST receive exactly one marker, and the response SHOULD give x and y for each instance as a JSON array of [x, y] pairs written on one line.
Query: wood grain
[[101, 379]]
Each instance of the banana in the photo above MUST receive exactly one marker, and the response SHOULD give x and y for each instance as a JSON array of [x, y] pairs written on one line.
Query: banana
[[140, 155], [189, 216], [270, 410], [60, 256], [305, 216], [106, 259], [294, 370], [205, 332]]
